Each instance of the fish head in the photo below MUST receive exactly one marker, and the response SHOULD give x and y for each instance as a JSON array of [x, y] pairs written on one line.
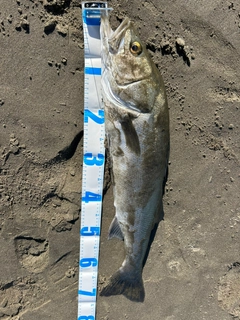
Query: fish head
[[129, 76]]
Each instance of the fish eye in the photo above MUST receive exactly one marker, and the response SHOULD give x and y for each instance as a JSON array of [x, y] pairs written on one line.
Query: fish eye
[[136, 48]]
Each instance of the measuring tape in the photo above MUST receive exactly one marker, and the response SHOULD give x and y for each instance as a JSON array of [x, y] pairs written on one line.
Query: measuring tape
[[93, 162]]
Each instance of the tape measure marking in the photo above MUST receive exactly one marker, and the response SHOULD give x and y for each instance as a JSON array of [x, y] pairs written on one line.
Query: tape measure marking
[[93, 162], [95, 71]]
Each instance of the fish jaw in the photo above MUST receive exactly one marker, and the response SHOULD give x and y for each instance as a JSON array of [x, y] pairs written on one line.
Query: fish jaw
[[116, 40], [112, 39]]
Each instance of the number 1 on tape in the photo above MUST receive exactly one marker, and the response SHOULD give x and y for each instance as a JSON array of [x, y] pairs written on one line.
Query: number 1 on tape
[[93, 162]]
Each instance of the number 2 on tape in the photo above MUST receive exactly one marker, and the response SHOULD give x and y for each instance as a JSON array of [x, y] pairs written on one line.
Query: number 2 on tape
[[96, 118]]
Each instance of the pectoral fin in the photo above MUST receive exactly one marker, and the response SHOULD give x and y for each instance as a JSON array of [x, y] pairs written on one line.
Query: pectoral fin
[[115, 230], [131, 136]]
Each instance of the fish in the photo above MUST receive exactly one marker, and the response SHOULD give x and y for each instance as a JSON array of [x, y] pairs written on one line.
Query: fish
[[137, 131]]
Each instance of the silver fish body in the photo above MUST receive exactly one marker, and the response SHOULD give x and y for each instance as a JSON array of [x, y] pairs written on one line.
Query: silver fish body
[[137, 129]]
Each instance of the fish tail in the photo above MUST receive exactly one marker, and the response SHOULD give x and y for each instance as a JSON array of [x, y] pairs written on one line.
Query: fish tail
[[127, 283]]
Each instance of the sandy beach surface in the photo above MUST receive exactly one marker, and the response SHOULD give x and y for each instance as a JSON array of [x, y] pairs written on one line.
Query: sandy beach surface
[[193, 268]]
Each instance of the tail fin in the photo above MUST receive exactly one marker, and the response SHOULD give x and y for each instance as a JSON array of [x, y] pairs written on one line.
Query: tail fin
[[129, 284]]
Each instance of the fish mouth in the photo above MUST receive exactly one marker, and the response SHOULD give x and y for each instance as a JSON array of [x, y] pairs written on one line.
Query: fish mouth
[[113, 39]]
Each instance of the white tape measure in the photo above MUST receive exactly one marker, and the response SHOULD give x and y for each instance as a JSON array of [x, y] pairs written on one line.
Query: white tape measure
[[93, 162]]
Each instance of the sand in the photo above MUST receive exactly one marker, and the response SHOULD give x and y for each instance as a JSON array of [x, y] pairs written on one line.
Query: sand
[[193, 268]]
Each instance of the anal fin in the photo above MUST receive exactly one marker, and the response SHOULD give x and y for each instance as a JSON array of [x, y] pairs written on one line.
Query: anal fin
[[115, 230]]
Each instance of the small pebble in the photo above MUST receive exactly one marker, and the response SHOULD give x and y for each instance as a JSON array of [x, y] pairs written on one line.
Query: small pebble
[[180, 42], [231, 126], [72, 173], [18, 27], [62, 30], [25, 25], [64, 61], [49, 26], [10, 18], [58, 65]]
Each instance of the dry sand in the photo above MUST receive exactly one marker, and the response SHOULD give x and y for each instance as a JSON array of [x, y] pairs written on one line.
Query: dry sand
[[193, 269]]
